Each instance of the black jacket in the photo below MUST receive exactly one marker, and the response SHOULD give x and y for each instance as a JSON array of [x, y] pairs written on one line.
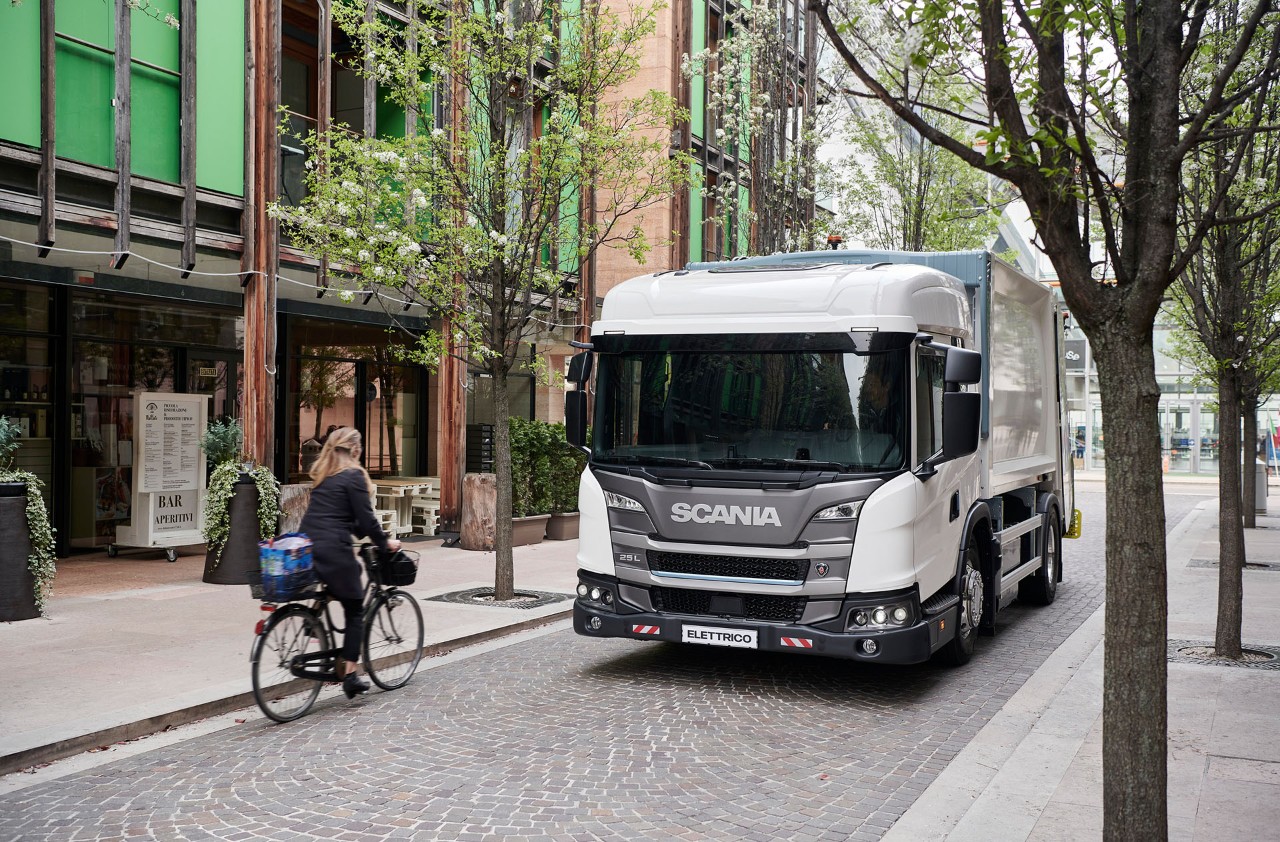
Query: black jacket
[[341, 507]]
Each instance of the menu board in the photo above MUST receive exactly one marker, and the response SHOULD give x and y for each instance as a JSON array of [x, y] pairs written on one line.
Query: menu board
[[169, 427]]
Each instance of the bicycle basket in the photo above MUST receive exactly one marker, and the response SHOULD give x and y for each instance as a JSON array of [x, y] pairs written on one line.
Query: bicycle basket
[[400, 568], [287, 573]]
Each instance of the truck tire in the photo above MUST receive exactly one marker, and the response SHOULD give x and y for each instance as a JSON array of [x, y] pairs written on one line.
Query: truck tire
[[957, 651], [1042, 588]]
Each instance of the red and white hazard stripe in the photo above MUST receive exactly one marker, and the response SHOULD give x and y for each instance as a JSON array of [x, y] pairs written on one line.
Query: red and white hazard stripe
[[798, 642], [645, 629]]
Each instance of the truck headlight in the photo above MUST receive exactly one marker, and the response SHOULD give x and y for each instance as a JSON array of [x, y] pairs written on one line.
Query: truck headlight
[[889, 615], [841, 511], [617, 501]]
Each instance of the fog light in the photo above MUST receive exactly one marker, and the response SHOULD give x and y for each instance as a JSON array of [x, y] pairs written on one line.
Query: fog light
[[899, 614], [583, 590], [594, 624], [595, 594], [860, 618], [606, 598], [869, 647], [880, 616]]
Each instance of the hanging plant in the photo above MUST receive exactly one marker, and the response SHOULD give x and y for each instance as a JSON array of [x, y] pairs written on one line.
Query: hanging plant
[[42, 562], [217, 504]]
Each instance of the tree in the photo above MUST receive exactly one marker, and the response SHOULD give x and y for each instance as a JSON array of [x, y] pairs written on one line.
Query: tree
[[479, 220], [1084, 116], [899, 192]]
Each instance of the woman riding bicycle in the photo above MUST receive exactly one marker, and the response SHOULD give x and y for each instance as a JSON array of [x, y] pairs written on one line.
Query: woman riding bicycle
[[342, 506]]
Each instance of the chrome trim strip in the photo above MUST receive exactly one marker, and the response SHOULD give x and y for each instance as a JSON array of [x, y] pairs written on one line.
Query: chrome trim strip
[[658, 574]]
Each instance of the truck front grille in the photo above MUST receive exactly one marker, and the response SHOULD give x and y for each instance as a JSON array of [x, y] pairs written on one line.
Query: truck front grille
[[782, 609], [739, 567]]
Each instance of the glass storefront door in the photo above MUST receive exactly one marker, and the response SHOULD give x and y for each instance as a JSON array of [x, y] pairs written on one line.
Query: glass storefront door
[[343, 374], [219, 377]]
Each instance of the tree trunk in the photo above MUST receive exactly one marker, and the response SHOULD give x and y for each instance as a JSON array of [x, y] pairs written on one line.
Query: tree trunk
[[1230, 524], [1135, 708], [504, 561], [1249, 409]]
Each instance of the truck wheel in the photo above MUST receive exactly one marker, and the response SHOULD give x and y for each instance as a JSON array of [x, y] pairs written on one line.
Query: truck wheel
[[1042, 588], [959, 649]]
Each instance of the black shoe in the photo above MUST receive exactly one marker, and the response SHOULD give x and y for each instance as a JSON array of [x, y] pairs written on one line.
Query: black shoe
[[353, 685]]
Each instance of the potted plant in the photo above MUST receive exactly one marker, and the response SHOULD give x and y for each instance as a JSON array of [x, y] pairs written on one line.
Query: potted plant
[[241, 508], [530, 490], [27, 561], [565, 473]]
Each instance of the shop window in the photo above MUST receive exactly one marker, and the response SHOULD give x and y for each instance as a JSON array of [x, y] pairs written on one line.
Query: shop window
[[131, 319]]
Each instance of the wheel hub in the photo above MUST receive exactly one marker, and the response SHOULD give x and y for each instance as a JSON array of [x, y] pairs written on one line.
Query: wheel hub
[[971, 601]]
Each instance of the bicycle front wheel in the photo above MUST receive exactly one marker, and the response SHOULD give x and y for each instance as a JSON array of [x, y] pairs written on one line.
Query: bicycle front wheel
[[392, 639], [291, 632]]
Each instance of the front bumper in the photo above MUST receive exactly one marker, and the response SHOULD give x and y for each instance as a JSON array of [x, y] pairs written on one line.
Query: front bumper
[[910, 645]]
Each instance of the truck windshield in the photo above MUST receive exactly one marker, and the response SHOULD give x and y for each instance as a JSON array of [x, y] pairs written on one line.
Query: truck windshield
[[752, 409]]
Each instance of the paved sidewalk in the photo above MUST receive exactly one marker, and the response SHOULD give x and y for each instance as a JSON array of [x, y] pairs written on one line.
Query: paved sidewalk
[[1035, 771], [135, 644]]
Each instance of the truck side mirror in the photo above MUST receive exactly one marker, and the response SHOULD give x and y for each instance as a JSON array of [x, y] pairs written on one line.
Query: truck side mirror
[[963, 366], [579, 368], [575, 418], [961, 412]]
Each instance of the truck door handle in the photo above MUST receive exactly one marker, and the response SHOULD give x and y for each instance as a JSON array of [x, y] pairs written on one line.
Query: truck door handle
[[955, 505]]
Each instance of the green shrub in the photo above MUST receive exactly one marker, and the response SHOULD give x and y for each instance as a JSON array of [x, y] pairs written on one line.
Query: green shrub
[[567, 464], [531, 446], [221, 441]]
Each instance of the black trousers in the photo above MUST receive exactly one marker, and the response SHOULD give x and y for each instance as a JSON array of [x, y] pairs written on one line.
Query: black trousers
[[354, 634]]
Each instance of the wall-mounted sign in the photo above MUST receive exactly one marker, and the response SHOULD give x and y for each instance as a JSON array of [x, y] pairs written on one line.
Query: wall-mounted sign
[[1074, 350]]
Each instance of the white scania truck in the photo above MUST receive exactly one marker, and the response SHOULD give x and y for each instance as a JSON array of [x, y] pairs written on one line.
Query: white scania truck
[[856, 454]]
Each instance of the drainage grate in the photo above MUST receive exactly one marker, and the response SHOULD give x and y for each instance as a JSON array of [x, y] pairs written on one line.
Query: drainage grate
[[484, 596], [1202, 652], [1263, 566]]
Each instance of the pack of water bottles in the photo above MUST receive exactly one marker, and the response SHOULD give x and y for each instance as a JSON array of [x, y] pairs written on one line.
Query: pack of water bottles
[[287, 572]]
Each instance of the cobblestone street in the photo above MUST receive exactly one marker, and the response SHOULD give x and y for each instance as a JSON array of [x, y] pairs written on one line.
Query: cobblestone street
[[567, 738]]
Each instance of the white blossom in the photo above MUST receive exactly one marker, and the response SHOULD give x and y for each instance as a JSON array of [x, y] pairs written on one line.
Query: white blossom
[[346, 295], [364, 256], [350, 233]]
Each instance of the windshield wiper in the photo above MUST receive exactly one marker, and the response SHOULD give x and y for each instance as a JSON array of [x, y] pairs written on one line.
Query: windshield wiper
[[783, 464], [668, 461]]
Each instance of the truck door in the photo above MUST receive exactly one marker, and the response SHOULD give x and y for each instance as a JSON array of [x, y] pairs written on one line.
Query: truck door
[[942, 497]]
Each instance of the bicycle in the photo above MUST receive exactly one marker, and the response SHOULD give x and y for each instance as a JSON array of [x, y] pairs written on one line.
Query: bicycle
[[293, 655]]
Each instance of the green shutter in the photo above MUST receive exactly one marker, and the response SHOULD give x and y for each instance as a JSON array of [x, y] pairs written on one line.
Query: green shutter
[[20, 68], [220, 79], [84, 117], [695, 214]]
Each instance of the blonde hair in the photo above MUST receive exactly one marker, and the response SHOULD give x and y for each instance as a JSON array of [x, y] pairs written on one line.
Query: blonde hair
[[341, 452]]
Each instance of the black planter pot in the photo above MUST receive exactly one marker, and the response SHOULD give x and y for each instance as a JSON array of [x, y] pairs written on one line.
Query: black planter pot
[[17, 585], [239, 563], [13, 489]]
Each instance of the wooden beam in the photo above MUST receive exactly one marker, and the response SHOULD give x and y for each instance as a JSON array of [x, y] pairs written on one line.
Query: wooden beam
[[48, 130], [324, 108], [187, 134], [263, 188], [123, 107]]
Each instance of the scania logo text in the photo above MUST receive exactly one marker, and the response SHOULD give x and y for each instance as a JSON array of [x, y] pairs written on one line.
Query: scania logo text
[[706, 513]]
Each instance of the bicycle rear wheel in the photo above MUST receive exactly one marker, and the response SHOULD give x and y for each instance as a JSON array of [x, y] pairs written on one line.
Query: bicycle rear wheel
[[392, 639], [292, 631]]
